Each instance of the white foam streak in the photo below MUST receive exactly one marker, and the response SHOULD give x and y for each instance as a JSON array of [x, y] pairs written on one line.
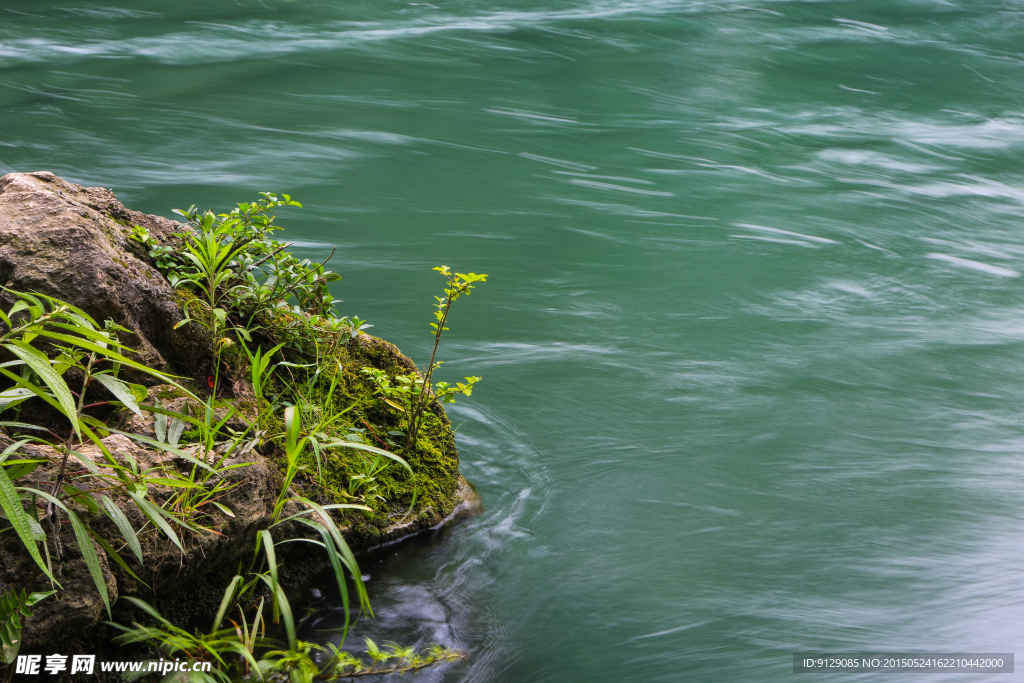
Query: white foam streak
[[974, 265]]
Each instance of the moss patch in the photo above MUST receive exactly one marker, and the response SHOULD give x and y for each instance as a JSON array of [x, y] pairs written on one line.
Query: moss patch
[[434, 459]]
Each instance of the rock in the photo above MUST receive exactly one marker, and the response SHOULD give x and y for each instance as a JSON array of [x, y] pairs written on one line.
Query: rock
[[183, 585], [59, 621], [70, 242]]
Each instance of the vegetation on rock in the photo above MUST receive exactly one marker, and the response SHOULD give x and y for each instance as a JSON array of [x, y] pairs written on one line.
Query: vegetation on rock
[[139, 471]]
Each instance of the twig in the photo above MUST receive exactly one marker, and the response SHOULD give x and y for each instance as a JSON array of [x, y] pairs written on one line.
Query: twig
[[270, 256]]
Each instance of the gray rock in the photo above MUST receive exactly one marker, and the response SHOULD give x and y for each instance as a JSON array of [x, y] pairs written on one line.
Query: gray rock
[[70, 242]]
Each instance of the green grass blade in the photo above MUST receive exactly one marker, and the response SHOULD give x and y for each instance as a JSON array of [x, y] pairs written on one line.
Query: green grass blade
[[155, 515], [148, 609], [349, 506], [109, 549], [38, 392], [344, 552], [107, 353], [225, 602], [12, 449], [77, 327], [268, 548], [339, 573], [370, 449], [124, 526], [92, 560], [281, 600]]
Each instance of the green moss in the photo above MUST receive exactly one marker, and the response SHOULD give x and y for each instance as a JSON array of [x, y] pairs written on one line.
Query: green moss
[[166, 392], [191, 304], [434, 460]]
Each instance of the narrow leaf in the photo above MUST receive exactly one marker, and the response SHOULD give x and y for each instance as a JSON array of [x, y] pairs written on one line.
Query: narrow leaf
[[154, 514], [124, 526], [92, 560], [225, 602], [120, 390], [10, 502], [109, 549], [223, 508], [40, 364], [371, 449]]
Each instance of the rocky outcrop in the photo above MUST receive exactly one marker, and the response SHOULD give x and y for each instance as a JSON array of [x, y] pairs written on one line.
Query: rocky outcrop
[[73, 243], [77, 610]]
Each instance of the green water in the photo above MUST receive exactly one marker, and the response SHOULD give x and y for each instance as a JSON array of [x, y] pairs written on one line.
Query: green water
[[751, 344]]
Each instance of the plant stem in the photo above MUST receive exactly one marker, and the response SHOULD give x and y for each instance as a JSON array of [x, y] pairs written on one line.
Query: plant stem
[[414, 421]]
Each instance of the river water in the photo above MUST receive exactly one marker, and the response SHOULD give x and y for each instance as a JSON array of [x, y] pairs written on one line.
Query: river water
[[751, 342]]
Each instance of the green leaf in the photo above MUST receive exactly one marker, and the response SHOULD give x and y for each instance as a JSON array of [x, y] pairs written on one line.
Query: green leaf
[[99, 425], [121, 391], [175, 431], [173, 483], [109, 549], [81, 497], [344, 552], [140, 392], [268, 547], [13, 396], [124, 526], [107, 353], [371, 449], [148, 609], [223, 508], [156, 515], [33, 598], [160, 423], [16, 469], [281, 600], [92, 560], [394, 405], [22, 425], [13, 604], [12, 449], [10, 502], [40, 364], [225, 602]]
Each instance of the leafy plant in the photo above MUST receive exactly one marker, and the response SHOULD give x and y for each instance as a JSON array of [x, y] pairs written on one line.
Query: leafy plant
[[232, 261], [96, 357], [240, 281], [233, 651], [411, 393], [245, 652], [13, 607]]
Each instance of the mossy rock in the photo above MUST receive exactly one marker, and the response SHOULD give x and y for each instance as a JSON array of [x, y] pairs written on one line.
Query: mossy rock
[[431, 493]]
